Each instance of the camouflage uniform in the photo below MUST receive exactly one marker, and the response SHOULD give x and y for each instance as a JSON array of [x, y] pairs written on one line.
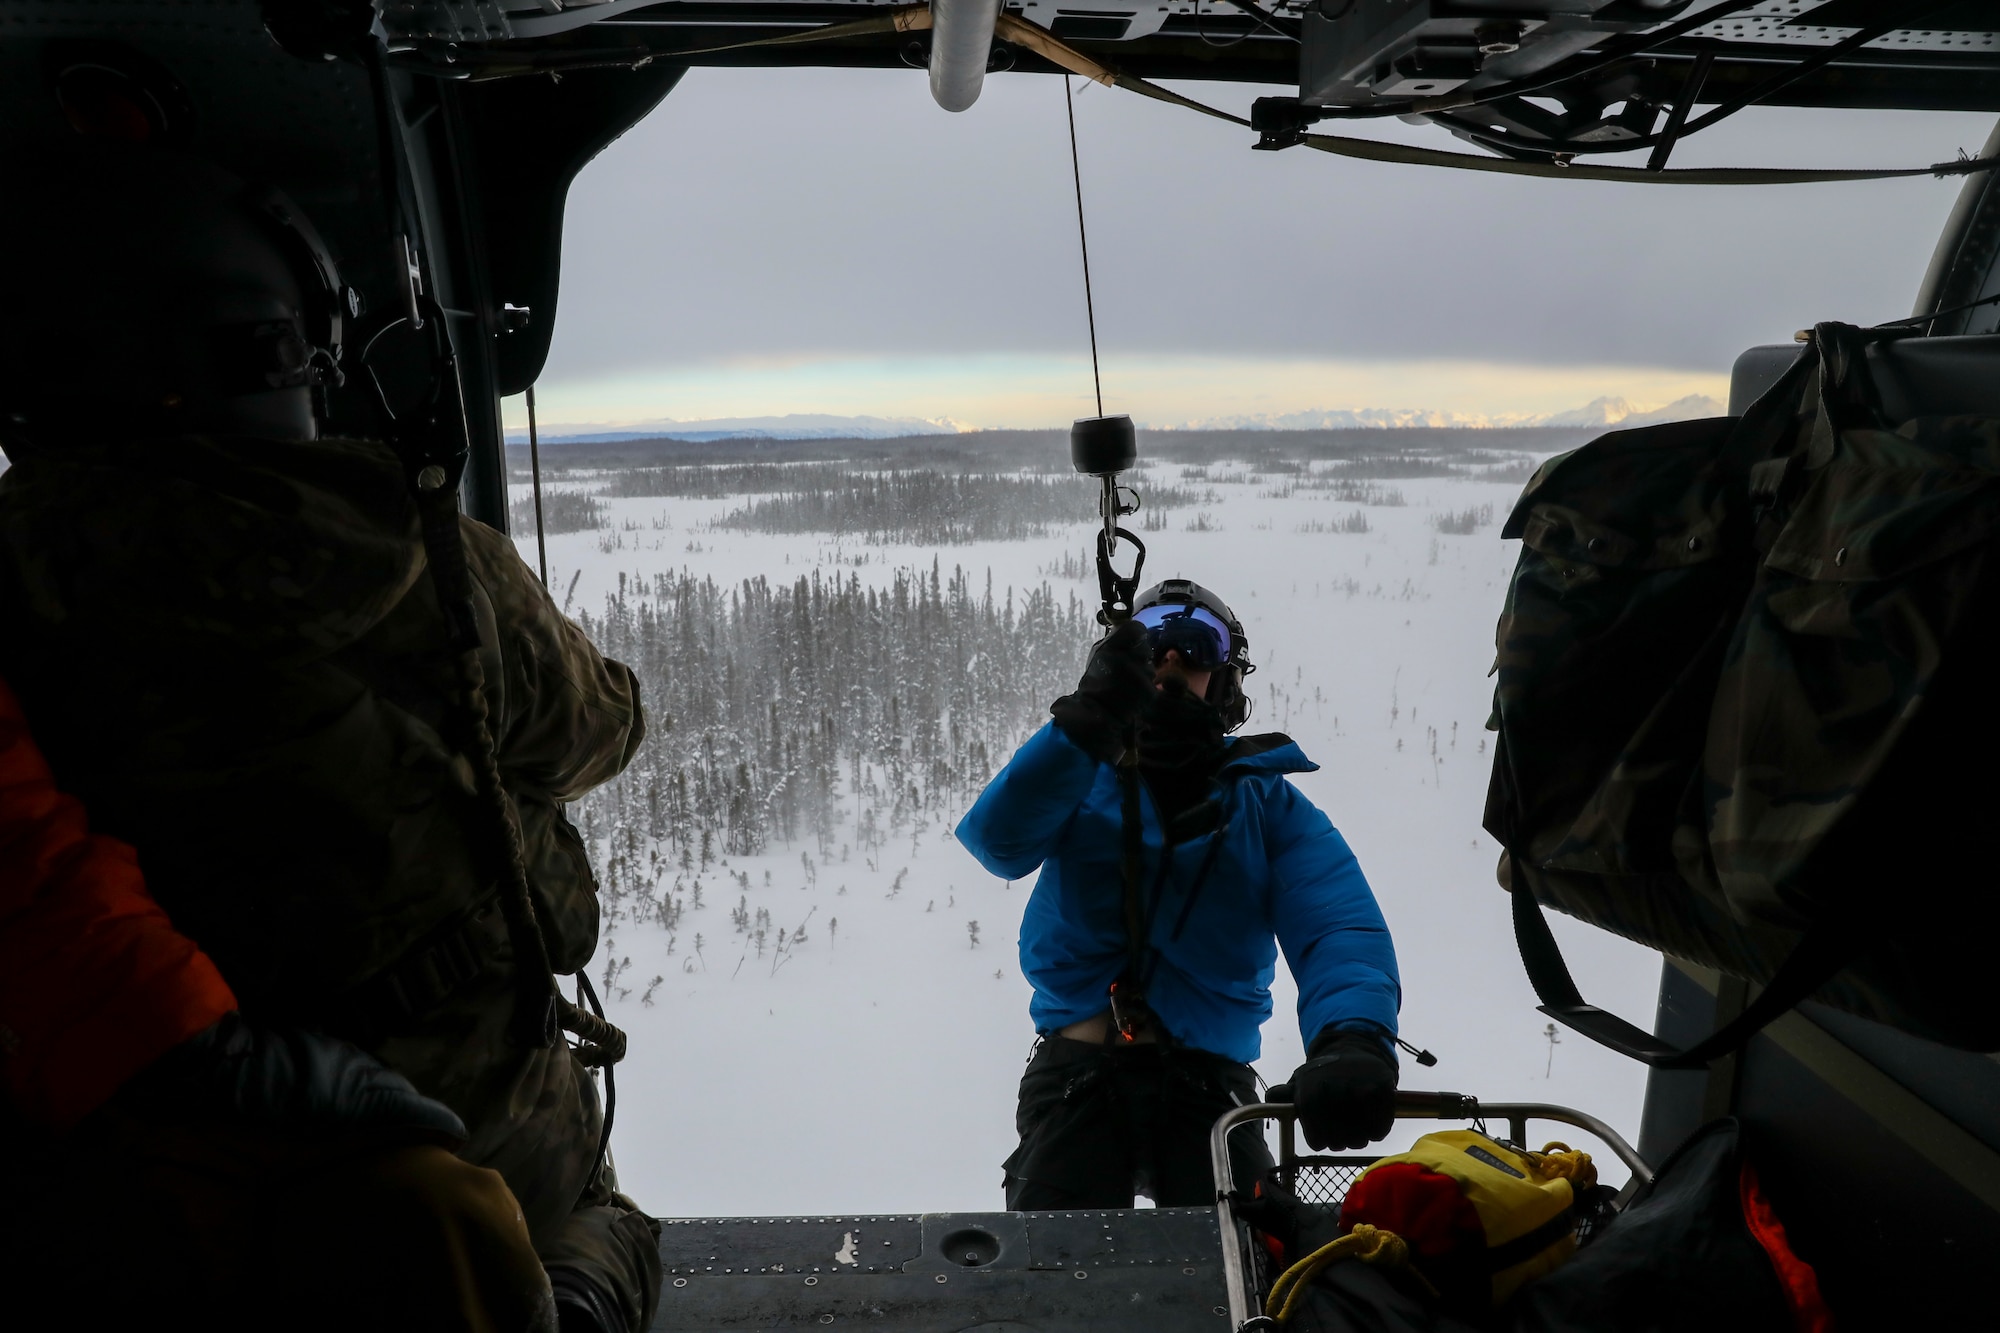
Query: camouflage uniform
[[1741, 665], [232, 653]]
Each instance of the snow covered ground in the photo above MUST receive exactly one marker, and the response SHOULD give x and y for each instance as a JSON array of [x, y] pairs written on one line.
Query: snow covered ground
[[873, 1068]]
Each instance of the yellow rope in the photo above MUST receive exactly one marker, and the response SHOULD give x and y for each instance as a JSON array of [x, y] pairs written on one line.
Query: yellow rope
[[1369, 1244], [1556, 1161], [1559, 1161]]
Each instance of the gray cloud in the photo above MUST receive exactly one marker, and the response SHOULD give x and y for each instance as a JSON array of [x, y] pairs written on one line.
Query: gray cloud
[[772, 212]]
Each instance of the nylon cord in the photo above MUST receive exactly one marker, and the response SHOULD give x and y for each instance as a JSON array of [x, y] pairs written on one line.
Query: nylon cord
[[1083, 243], [589, 993]]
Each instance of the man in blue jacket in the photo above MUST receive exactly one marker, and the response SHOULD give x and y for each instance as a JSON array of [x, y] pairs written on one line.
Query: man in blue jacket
[[1167, 887]]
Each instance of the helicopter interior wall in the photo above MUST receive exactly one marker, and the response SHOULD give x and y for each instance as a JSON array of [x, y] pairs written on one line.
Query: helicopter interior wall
[[1881, 1152], [493, 166], [223, 91], [1966, 264], [530, 138]]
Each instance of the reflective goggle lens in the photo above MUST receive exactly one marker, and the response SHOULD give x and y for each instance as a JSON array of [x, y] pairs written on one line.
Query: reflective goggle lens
[[1196, 634]]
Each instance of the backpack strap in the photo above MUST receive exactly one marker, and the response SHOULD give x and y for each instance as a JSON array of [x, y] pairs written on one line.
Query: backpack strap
[[1815, 961]]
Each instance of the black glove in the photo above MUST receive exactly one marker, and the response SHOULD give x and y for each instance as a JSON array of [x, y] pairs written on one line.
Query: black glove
[[238, 1071], [1117, 685], [1345, 1092]]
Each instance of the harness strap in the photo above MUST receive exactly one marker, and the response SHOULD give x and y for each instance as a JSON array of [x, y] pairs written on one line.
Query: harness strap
[[431, 443], [1519, 1250], [1142, 957], [1128, 992], [542, 1014], [536, 1017], [1200, 879]]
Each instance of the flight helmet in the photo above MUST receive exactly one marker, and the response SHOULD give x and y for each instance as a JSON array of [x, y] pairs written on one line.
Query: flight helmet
[[1182, 615], [164, 296]]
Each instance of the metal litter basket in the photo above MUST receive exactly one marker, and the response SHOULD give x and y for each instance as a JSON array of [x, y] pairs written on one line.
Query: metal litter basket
[[1323, 1181]]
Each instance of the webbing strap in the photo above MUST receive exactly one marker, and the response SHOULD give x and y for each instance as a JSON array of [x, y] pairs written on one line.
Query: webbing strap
[[1217, 834], [1519, 1250], [1812, 963], [1373, 150], [1130, 986], [912, 18]]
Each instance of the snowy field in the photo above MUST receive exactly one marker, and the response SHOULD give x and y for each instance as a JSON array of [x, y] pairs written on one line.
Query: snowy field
[[873, 1066]]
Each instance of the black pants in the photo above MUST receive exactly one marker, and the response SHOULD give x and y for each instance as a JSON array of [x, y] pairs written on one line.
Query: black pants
[[1099, 1124]]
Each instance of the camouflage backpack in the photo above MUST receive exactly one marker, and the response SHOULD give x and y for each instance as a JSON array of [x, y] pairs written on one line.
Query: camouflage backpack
[[1744, 708]]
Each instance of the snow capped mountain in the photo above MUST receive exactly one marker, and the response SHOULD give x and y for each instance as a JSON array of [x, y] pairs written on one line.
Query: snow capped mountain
[[1599, 412], [792, 426], [1619, 412], [1336, 418]]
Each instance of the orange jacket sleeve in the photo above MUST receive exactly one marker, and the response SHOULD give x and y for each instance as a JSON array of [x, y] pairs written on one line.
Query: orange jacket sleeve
[[95, 982]]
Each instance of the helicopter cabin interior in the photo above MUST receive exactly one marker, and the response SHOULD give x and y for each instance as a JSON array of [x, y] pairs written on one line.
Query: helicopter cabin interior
[[433, 143]]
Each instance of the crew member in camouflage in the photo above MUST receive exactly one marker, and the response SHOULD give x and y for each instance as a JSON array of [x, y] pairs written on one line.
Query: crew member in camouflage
[[236, 659], [230, 648]]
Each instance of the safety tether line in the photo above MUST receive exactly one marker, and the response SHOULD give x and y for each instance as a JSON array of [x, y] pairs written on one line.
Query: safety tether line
[[1083, 243]]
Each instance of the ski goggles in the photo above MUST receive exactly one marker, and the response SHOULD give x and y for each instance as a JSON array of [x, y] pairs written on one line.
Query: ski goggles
[[1197, 634]]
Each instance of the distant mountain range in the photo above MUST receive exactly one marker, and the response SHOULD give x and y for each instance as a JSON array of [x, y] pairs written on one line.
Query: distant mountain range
[[1619, 412], [793, 426], [1599, 412]]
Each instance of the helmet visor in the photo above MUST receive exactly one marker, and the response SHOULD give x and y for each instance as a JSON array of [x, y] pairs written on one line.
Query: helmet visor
[[1197, 634]]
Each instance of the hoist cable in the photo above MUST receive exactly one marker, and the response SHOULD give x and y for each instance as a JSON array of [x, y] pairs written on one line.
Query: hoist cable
[[1083, 243], [535, 471]]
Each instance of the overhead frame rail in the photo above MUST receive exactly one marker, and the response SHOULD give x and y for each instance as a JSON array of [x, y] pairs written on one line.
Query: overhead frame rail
[[1208, 40]]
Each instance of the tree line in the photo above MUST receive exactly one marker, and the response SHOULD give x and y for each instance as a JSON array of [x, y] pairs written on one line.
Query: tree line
[[783, 710]]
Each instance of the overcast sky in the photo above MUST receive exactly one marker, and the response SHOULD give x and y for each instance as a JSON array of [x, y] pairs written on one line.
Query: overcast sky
[[807, 240]]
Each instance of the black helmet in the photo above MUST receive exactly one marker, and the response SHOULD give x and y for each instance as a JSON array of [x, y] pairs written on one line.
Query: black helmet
[[164, 295], [1190, 618]]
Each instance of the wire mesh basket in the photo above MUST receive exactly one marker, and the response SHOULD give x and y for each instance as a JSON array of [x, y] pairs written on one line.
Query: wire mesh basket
[[1318, 1182], [1322, 1182]]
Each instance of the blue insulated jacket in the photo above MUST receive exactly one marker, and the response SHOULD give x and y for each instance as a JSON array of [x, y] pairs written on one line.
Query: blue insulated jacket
[[1282, 876]]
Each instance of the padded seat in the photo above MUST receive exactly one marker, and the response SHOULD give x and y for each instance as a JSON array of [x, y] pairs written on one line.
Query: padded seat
[[1920, 376]]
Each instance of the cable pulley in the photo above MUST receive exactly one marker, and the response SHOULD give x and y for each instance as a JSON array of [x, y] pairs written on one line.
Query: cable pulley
[[1104, 446]]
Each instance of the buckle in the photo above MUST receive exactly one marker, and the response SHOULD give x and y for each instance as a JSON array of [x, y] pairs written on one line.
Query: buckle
[[1129, 1014]]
